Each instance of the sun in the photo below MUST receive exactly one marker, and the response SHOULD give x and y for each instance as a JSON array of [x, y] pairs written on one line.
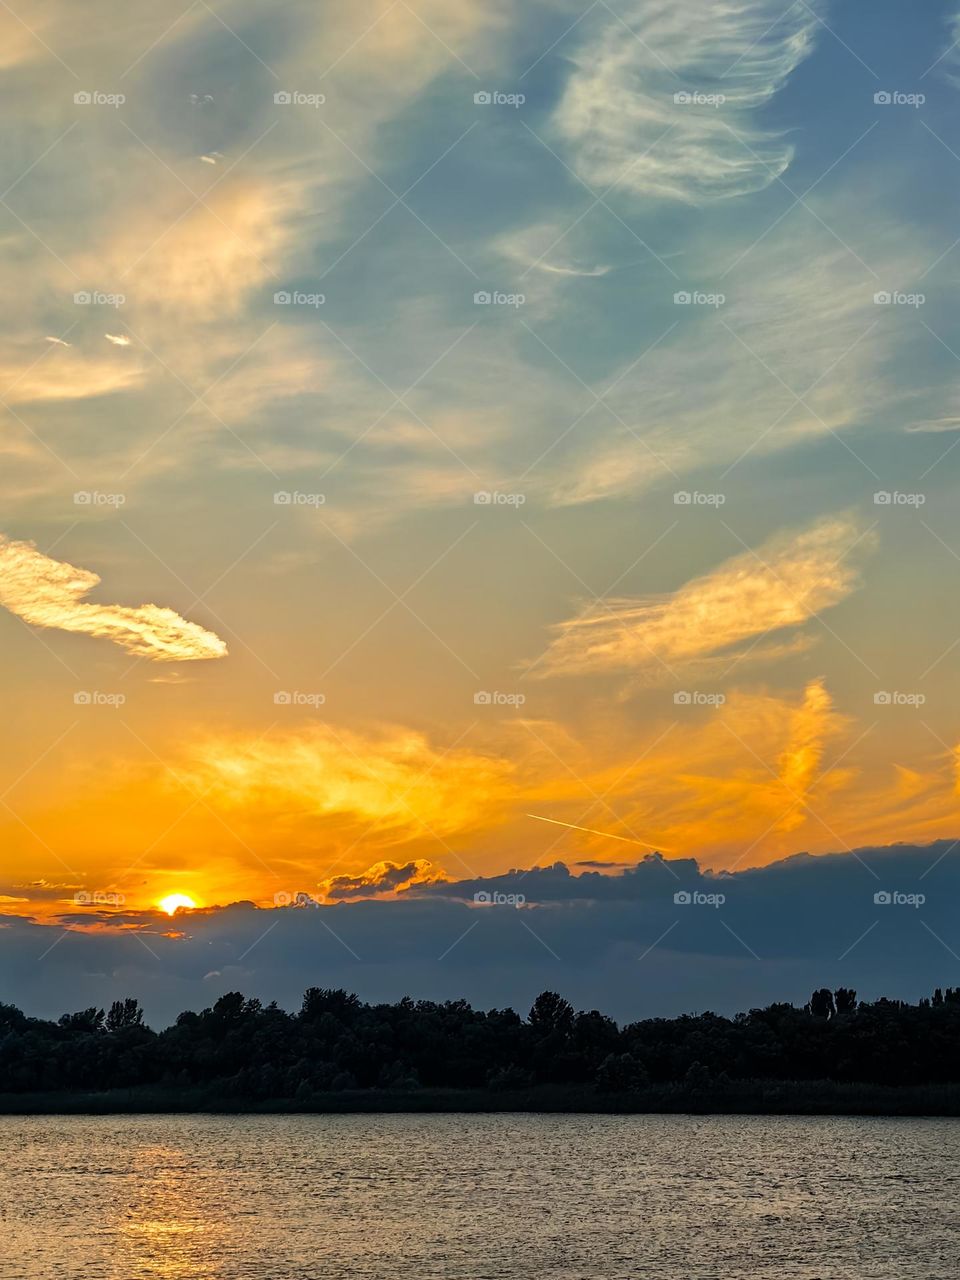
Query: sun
[[173, 901]]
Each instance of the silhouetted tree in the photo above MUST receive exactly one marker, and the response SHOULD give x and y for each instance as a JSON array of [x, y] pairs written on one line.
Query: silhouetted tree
[[90, 1020], [845, 1000], [821, 1004], [550, 1014], [124, 1014], [240, 1048]]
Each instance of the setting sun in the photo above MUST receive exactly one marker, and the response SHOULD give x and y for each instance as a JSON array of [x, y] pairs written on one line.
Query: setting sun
[[175, 900]]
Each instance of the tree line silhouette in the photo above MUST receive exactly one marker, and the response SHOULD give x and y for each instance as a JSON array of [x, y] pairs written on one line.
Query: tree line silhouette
[[245, 1049]]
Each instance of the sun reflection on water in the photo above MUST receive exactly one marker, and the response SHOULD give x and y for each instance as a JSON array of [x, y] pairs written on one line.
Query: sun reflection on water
[[170, 1228]]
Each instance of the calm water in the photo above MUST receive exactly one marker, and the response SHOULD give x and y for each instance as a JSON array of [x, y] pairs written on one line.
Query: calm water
[[478, 1197]]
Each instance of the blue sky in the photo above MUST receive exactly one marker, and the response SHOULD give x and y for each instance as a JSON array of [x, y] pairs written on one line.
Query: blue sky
[[423, 415]]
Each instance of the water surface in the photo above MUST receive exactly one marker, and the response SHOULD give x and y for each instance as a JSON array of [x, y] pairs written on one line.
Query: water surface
[[468, 1197]]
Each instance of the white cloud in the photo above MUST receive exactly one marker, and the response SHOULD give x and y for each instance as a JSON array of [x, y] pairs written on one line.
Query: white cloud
[[619, 117]]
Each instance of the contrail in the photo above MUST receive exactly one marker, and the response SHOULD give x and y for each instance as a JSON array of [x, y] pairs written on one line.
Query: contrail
[[609, 834]]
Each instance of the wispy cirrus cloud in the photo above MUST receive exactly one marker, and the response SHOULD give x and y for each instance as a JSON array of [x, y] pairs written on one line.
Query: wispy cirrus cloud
[[782, 584], [50, 593], [620, 118]]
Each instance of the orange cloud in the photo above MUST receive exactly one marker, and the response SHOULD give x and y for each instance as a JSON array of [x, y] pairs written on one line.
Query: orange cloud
[[394, 781], [800, 762]]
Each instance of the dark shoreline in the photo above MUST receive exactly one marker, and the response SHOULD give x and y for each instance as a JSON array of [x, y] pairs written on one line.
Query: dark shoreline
[[821, 1097]]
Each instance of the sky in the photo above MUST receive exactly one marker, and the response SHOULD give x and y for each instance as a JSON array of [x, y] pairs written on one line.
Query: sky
[[441, 438]]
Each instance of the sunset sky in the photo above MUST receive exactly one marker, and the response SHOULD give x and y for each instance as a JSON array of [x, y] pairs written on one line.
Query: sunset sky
[[422, 418]]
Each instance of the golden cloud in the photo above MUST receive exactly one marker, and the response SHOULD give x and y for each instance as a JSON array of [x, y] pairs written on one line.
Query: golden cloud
[[50, 593], [800, 762], [394, 781], [782, 584]]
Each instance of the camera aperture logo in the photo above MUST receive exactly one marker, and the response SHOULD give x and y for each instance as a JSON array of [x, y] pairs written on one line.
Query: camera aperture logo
[[97, 298], [698, 298], [294, 698], [494, 498], [895, 698], [94, 698], [497, 298], [698, 698], [97, 98], [497, 98], [286, 498], [894, 898], [695, 98], [295, 98], [894, 498], [483, 698], [696, 898], [297, 298], [896, 298], [93, 498], [98, 898], [694, 498], [494, 898], [895, 98]]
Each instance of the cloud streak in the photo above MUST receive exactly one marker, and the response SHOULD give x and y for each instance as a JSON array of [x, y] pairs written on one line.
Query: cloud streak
[[50, 593], [785, 582]]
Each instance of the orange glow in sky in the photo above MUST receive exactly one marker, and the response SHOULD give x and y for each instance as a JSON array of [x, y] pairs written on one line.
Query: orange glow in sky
[[173, 901]]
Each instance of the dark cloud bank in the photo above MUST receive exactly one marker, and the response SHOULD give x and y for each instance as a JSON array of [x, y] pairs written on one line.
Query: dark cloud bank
[[622, 943]]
